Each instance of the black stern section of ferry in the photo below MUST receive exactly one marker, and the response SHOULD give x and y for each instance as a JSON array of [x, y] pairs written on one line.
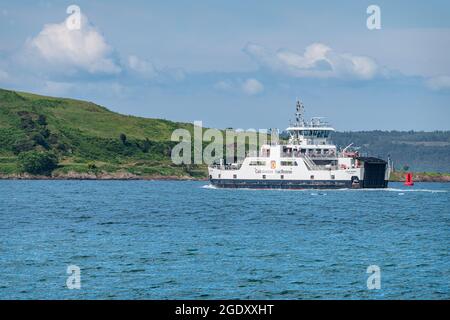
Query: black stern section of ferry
[[374, 172]]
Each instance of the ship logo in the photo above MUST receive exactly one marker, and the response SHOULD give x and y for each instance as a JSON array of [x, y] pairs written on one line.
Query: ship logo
[[273, 164]]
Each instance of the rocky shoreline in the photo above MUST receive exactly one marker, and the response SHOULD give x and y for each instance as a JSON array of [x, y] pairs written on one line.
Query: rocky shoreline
[[421, 177], [93, 176]]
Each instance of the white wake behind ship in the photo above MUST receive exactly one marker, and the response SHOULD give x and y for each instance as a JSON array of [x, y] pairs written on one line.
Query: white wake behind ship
[[308, 160]]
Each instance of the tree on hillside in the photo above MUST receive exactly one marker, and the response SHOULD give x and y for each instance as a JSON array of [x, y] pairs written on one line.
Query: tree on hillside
[[40, 140], [27, 124], [42, 120], [123, 138], [22, 145], [146, 146], [38, 162]]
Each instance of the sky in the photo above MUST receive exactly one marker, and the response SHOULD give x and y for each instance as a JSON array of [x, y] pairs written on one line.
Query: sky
[[239, 64]]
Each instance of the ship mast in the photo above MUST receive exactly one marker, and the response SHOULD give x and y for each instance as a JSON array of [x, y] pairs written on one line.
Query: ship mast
[[300, 109], [299, 122]]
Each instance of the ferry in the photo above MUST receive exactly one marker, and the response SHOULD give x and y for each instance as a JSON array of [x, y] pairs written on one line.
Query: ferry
[[308, 159]]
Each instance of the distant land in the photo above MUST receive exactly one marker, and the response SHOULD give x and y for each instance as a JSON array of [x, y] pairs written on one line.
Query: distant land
[[82, 140]]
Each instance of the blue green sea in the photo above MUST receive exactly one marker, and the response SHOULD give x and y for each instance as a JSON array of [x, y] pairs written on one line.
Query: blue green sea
[[187, 240]]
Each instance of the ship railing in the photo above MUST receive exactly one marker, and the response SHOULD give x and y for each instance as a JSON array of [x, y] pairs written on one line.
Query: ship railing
[[309, 163], [323, 155], [313, 166]]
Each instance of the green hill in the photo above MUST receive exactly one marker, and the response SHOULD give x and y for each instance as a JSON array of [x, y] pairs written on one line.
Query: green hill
[[86, 137], [91, 141]]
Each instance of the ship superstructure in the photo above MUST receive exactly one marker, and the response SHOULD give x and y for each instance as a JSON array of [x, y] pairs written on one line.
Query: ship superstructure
[[307, 160]]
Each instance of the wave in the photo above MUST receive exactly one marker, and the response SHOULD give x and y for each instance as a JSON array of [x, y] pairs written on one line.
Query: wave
[[209, 186], [408, 190], [315, 192]]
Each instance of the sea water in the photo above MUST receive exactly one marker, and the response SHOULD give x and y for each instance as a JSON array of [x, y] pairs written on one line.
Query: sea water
[[187, 240]]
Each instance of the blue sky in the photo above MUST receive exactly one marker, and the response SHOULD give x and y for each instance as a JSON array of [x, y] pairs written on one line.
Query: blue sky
[[238, 64]]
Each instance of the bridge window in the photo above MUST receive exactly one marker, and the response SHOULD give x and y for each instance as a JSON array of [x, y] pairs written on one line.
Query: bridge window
[[264, 176], [312, 177], [282, 177], [333, 177], [234, 176]]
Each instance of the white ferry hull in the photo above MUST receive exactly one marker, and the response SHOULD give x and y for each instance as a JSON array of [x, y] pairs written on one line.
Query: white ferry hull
[[292, 184], [283, 184], [372, 173]]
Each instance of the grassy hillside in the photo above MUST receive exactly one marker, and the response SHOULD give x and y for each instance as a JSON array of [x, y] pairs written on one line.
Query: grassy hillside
[[86, 137]]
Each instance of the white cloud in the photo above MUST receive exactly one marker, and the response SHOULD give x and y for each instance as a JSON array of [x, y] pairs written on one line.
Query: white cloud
[[142, 67], [360, 66], [318, 61], [149, 71], [438, 83], [313, 54], [72, 50], [252, 87], [59, 60]]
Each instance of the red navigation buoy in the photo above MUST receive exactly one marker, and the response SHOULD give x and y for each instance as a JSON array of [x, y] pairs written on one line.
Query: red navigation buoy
[[409, 179]]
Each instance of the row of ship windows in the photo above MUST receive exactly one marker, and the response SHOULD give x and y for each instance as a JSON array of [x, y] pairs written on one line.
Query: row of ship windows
[[288, 152], [315, 133], [264, 176], [282, 163]]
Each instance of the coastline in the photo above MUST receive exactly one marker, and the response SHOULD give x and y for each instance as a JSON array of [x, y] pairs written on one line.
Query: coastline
[[395, 177], [421, 177], [101, 176]]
